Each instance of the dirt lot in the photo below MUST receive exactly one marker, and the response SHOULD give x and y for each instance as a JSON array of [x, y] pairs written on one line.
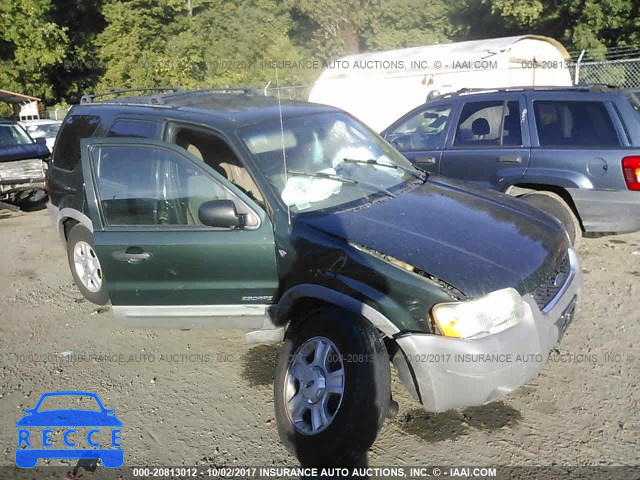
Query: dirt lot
[[204, 397]]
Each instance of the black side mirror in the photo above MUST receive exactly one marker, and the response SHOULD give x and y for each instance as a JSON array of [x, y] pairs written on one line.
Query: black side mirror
[[220, 214], [41, 141]]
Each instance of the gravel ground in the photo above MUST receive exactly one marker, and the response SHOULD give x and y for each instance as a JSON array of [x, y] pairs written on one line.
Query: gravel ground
[[204, 397]]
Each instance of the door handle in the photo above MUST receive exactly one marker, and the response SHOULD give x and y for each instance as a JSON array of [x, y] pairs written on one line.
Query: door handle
[[427, 160], [510, 159], [131, 257]]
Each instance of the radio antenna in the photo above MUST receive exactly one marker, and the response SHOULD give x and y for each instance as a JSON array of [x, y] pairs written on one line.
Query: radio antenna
[[284, 153]]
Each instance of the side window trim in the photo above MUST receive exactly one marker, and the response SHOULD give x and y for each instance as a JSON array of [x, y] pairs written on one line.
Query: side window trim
[[89, 144]]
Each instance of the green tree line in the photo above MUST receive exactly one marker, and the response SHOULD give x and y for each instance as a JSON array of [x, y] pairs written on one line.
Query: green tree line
[[60, 49]]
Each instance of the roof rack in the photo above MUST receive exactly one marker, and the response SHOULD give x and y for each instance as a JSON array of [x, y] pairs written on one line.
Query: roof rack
[[245, 90], [164, 93], [152, 99], [590, 88]]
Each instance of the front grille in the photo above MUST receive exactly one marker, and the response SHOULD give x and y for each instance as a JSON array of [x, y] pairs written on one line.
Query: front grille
[[552, 283]]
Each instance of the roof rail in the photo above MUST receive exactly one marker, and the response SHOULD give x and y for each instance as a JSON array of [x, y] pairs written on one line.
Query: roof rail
[[164, 93], [152, 99], [587, 87], [245, 90]]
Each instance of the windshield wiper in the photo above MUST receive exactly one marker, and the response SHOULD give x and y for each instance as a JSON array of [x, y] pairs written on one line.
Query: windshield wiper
[[331, 176], [374, 162]]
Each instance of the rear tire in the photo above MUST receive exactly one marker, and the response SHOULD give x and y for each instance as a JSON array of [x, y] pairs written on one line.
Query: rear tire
[[85, 265], [555, 205], [330, 406]]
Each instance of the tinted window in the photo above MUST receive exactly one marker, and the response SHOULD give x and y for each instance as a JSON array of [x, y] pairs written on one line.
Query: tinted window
[[511, 128], [133, 128], [147, 185], [76, 127], [423, 130], [574, 124]]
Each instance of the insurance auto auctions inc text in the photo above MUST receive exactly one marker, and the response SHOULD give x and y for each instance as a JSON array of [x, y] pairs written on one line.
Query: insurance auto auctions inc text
[[350, 472], [343, 64]]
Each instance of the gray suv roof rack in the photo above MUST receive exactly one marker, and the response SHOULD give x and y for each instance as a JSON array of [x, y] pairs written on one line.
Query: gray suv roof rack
[[586, 88]]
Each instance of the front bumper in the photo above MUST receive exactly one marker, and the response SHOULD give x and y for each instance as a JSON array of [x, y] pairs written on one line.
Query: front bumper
[[22, 175], [447, 373]]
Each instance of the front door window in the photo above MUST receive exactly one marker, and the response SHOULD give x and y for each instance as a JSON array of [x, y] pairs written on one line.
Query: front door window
[[154, 186]]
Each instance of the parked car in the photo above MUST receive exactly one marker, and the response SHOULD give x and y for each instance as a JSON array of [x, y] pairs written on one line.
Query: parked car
[[23, 163], [203, 209], [579, 146], [47, 129]]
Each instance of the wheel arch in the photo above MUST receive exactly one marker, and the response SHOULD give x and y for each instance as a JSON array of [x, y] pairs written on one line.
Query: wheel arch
[[522, 188], [308, 296], [69, 218]]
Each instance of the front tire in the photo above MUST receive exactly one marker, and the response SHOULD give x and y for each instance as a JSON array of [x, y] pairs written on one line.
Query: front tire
[[332, 388], [85, 265]]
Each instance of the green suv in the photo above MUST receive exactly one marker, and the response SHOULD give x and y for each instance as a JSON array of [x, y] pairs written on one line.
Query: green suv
[[296, 222]]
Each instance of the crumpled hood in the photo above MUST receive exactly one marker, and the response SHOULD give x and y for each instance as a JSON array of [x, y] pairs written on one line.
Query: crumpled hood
[[20, 152], [476, 240]]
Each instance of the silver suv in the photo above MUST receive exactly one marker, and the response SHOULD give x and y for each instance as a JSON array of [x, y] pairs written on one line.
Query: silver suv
[[576, 145]]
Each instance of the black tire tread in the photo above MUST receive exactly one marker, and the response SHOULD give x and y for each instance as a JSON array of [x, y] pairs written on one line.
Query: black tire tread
[[339, 444]]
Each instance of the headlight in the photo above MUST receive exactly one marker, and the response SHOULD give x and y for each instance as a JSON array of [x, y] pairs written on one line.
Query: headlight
[[492, 313]]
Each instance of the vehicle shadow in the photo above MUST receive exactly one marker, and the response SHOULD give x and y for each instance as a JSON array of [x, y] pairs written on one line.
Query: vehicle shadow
[[344, 471], [450, 425], [259, 364], [83, 465]]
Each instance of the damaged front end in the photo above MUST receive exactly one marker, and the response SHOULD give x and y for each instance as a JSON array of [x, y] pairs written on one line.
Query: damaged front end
[[22, 182]]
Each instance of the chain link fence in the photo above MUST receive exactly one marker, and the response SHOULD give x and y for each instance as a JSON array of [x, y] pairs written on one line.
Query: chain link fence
[[618, 66], [57, 113]]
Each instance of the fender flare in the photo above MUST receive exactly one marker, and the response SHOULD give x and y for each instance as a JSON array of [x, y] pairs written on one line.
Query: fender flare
[[318, 292], [79, 217]]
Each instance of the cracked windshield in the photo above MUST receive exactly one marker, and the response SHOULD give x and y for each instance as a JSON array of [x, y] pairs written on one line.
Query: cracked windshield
[[324, 160]]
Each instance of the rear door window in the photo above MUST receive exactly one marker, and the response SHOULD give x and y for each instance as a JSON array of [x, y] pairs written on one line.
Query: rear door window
[[133, 128], [489, 123], [74, 129], [574, 124]]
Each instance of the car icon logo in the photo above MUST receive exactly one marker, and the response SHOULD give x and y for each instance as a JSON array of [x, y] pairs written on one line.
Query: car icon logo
[[98, 423]]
